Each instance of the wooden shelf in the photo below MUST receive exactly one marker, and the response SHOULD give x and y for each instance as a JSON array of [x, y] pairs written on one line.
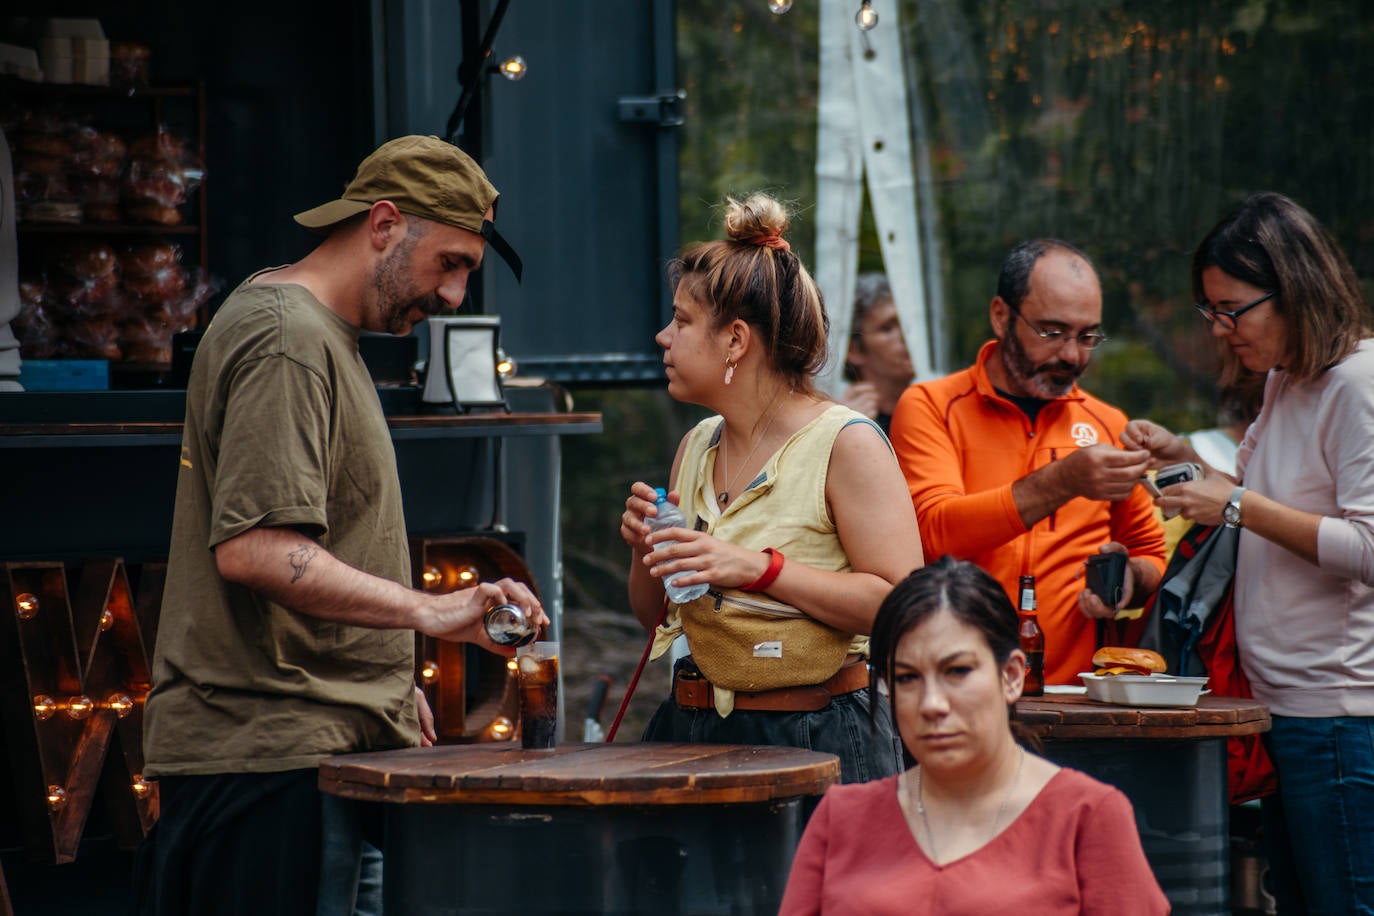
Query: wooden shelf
[[107, 229], [127, 111], [80, 90]]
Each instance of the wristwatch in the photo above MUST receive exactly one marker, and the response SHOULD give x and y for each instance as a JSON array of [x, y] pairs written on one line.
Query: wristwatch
[[1230, 513]]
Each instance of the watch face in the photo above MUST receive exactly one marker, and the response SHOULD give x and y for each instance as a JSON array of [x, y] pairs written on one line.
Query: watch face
[[1231, 514]]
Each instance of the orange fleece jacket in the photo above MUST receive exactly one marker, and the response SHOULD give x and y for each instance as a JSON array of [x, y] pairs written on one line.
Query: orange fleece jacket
[[962, 445]]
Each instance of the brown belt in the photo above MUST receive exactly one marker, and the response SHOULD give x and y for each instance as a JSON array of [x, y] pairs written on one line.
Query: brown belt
[[695, 692]]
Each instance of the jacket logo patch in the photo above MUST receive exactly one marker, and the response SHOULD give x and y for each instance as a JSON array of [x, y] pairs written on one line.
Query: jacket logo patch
[[1083, 434]]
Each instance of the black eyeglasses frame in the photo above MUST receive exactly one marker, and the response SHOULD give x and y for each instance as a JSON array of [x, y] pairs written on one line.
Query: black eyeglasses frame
[[1230, 320]]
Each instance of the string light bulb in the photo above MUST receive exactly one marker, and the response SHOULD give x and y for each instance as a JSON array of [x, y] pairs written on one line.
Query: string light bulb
[[140, 786], [44, 707], [866, 19], [80, 707], [513, 68], [429, 672], [778, 7], [467, 576], [57, 797], [432, 578], [512, 667], [107, 619], [26, 606], [121, 704]]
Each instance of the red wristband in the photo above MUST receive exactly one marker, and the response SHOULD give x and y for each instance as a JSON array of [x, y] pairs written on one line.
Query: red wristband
[[770, 574]]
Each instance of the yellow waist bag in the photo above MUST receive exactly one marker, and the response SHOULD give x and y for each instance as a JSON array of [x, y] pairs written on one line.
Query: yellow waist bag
[[742, 642]]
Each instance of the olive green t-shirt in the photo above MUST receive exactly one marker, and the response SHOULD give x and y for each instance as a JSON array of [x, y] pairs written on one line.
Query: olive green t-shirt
[[283, 429]]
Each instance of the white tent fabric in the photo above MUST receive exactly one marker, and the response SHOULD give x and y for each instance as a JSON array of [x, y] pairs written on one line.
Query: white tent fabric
[[865, 128]]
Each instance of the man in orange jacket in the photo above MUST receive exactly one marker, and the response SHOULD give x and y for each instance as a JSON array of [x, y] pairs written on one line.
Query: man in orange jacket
[[1013, 466]]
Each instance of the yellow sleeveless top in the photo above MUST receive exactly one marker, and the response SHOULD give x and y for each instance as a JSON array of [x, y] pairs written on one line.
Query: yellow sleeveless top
[[784, 507]]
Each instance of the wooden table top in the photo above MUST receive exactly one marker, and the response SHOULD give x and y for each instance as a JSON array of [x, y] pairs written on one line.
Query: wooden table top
[[1072, 716], [580, 774]]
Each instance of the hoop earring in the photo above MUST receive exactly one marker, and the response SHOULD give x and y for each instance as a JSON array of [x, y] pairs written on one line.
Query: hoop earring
[[729, 372]]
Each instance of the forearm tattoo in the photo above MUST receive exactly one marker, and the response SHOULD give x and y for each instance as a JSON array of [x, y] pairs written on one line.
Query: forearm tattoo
[[300, 558]]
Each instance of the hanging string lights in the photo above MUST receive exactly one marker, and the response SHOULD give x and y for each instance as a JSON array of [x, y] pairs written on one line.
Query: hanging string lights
[[866, 19]]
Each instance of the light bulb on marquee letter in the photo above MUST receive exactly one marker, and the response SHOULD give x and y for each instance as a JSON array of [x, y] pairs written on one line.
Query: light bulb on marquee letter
[[432, 578], [80, 707], [44, 706], [26, 606]]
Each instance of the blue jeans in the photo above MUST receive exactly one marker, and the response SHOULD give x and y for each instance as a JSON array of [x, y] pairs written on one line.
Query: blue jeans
[[1319, 828], [350, 866], [841, 728]]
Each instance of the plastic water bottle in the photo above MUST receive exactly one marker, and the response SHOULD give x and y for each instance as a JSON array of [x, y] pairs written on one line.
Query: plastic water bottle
[[670, 516]]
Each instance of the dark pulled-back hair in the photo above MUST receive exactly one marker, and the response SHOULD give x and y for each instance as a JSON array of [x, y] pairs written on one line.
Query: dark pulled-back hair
[[963, 589], [1013, 280], [1273, 244], [767, 287]]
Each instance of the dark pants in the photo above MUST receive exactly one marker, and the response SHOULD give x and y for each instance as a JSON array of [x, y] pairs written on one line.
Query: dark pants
[[866, 751], [236, 844]]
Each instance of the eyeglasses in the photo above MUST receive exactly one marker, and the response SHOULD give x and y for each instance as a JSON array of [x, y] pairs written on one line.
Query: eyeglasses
[[1088, 340], [1228, 319]]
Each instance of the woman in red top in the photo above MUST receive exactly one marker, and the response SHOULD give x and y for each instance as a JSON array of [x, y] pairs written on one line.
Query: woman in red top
[[979, 825]]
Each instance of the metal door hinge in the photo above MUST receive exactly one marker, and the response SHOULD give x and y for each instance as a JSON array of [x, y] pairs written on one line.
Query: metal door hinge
[[663, 110]]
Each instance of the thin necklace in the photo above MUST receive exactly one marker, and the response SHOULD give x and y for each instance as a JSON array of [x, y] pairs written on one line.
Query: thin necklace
[[723, 497], [997, 818]]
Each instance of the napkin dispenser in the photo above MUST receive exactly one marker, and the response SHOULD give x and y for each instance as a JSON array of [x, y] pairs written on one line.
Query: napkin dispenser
[[462, 372]]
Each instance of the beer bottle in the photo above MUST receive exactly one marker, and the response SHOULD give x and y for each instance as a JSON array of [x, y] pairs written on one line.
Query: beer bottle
[[1032, 640]]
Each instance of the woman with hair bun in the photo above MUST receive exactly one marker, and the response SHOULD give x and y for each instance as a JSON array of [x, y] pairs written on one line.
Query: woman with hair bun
[[797, 514]]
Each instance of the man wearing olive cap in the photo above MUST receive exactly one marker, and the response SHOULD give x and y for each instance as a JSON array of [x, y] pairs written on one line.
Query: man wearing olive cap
[[287, 626]]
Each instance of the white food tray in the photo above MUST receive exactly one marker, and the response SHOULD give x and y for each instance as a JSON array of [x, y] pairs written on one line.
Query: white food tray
[[1144, 689]]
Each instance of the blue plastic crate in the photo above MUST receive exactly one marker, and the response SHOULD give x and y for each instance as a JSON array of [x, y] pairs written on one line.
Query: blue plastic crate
[[65, 374]]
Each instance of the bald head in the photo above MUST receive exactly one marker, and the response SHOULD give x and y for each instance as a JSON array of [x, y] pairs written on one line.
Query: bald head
[[1014, 280]]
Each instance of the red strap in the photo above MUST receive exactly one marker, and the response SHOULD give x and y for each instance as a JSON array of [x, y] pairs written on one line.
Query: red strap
[[634, 681], [770, 574]]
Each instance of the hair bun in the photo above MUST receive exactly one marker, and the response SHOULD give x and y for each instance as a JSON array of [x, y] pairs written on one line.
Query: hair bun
[[756, 217]]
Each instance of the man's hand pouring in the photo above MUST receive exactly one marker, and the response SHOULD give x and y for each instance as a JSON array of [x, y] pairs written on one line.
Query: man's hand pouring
[[457, 616]]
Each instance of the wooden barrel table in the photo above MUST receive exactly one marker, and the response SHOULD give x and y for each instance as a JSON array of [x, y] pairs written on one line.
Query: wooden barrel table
[[1171, 763], [586, 828]]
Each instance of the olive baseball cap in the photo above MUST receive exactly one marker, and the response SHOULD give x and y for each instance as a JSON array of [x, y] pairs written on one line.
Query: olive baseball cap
[[425, 177]]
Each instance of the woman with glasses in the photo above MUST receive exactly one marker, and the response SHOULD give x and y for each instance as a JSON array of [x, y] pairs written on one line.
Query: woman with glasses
[[1274, 287]]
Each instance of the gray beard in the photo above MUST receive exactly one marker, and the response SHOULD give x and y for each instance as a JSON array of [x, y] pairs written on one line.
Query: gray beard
[[1035, 381]]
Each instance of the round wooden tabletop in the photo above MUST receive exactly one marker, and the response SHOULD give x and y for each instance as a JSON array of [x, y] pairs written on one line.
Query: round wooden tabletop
[[581, 774], [1073, 716]]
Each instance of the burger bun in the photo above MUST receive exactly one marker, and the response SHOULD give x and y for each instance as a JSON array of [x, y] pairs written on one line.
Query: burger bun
[[1111, 660]]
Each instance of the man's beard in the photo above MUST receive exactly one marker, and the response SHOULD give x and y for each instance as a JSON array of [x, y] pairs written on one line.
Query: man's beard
[[395, 294], [1047, 380]]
